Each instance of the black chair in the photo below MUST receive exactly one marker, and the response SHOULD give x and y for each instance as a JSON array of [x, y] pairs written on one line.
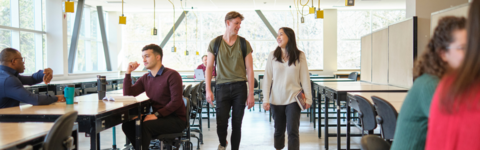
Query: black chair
[[175, 140], [386, 117], [353, 76], [373, 142], [186, 91], [60, 136], [366, 114], [196, 114], [258, 92]]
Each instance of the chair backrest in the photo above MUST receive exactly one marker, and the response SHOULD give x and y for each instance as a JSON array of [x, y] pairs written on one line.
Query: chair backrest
[[386, 117], [373, 142], [255, 85], [188, 108], [60, 136], [186, 91], [194, 95], [353, 76], [367, 113], [200, 96]]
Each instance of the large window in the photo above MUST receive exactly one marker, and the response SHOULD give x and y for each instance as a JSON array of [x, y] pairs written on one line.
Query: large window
[[22, 28], [354, 24], [136, 34], [90, 55]]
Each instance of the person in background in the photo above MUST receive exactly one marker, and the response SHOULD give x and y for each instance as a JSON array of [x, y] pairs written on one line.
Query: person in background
[[288, 66], [203, 66], [12, 91], [164, 88], [455, 109], [449, 39]]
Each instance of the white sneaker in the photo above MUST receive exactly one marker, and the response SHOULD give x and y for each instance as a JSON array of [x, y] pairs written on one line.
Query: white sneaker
[[220, 147]]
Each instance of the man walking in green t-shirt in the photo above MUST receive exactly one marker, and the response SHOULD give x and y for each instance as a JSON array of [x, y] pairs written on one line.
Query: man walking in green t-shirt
[[234, 66]]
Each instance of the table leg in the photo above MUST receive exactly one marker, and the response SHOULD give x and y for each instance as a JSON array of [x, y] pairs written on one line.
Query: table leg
[[94, 139], [208, 114], [75, 139], [339, 145], [348, 124], [326, 123], [138, 130]]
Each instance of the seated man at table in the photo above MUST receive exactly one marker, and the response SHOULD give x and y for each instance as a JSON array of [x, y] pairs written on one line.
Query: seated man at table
[[12, 91], [203, 66], [164, 88]]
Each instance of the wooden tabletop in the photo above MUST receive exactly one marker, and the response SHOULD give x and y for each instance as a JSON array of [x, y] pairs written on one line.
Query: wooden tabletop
[[359, 86], [12, 134], [395, 98], [334, 80], [85, 105]]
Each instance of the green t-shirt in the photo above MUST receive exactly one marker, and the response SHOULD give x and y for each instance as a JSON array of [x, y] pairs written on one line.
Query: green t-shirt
[[230, 64]]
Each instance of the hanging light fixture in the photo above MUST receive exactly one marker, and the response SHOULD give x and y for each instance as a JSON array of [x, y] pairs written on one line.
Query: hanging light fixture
[[349, 2], [319, 13], [174, 49], [311, 10], [69, 6], [122, 19], [196, 32], [154, 30]]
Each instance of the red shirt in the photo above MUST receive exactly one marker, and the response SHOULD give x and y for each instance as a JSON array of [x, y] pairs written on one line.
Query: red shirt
[[458, 130], [164, 90], [203, 67]]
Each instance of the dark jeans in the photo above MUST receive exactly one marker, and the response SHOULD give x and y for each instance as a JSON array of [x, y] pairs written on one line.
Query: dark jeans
[[163, 125], [230, 96], [286, 116]]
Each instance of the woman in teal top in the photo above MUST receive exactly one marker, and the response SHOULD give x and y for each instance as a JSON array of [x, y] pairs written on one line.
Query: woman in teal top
[[442, 51]]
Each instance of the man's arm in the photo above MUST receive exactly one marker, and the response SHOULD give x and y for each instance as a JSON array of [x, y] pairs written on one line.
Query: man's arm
[[134, 90], [137, 88], [176, 97], [208, 77], [31, 80], [14, 89], [251, 80]]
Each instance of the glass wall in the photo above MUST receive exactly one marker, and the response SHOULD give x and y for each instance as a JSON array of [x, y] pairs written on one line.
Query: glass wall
[[195, 37]]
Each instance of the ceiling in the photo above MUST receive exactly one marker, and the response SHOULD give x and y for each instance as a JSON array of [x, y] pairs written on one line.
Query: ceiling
[[208, 5]]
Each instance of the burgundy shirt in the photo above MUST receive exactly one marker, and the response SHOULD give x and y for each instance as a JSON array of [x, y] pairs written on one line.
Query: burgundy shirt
[[164, 90], [203, 67]]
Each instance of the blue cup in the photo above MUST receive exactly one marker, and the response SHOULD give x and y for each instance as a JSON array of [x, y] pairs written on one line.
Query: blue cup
[[69, 93]]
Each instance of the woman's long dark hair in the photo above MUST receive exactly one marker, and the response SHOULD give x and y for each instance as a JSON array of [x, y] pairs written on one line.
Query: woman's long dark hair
[[292, 51], [468, 74]]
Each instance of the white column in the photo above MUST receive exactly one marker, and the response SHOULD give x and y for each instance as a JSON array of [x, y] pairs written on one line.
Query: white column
[[56, 29], [38, 36], [330, 41]]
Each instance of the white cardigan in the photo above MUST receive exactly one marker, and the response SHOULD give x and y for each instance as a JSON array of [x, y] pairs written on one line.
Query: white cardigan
[[285, 81]]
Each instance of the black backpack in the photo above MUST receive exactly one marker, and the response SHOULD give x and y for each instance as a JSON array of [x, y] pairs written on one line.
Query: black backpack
[[243, 46]]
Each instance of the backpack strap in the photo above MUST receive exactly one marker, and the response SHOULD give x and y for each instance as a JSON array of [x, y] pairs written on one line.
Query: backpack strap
[[243, 46]]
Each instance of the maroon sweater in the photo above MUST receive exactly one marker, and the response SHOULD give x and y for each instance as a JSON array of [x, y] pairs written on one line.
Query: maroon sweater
[[164, 90]]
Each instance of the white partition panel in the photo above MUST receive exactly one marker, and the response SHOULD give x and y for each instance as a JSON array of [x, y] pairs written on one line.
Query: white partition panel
[[366, 59], [401, 50], [461, 10], [380, 56]]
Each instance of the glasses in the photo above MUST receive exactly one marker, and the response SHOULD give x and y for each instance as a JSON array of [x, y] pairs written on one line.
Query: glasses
[[457, 47], [23, 59]]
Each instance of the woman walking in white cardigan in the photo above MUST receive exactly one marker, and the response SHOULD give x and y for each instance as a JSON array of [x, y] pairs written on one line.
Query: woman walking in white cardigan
[[286, 74]]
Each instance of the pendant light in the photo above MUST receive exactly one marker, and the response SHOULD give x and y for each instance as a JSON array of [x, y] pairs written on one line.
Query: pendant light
[[69, 6], [122, 19], [174, 49], [154, 30]]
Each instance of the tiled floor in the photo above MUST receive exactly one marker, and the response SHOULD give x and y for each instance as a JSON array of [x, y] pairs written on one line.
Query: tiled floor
[[257, 134]]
